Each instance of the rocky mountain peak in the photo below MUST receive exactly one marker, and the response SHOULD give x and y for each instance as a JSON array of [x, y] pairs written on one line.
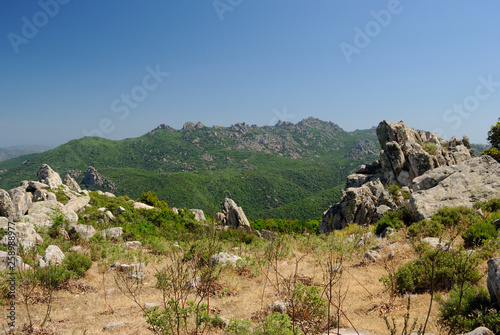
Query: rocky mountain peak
[[164, 127], [188, 126], [315, 123], [407, 156]]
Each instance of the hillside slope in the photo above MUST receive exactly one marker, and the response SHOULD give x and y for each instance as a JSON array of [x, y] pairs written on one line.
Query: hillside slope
[[15, 151], [288, 170]]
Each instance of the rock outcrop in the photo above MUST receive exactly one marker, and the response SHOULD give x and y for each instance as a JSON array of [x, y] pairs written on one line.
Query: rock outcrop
[[92, 177], [462, 184], [72, 184], [7, 208], [49, 177], [24, 233], [406, 154], [20, 199], [493, 280], [232, 215]]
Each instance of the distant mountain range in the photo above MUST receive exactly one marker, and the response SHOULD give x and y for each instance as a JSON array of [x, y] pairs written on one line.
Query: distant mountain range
[[287, 170], [284, 171], [19, 150]]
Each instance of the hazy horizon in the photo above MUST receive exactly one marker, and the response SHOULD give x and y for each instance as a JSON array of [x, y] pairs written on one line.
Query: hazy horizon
[[118, 70]]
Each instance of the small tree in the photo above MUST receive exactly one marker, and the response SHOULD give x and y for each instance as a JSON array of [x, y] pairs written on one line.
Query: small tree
[[494, 139]]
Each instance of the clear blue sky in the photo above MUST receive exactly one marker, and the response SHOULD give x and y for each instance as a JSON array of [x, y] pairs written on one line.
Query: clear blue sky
[[86, 65]]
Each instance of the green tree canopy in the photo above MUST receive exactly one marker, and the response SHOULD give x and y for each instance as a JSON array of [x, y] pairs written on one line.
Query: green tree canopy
[[494, 139], [494, 135]]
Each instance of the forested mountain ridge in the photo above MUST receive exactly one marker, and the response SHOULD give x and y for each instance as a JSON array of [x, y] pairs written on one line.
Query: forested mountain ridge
[[287, 170]]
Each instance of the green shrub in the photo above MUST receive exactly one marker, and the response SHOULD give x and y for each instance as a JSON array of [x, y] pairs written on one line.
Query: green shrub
[[406, 195], [426, 228], [77, 264], [390, 219], [475, 310], [276, 324], [415, 276], [479, 232], [3, 232], [59, 223], [61, 196], [288, 226], [491, 206], [150, 198], [239, 327], [217, 322], [306, 303], [394, 189], [450, 217], [176, 316], [493, 152], [430, 148], [237, 235], [5, 292], [51, 277]]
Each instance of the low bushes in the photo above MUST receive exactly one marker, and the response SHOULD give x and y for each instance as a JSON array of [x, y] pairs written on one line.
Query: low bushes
[[435, 267], [389, 220], [469, 310], [479, 232], [77, 264], [452, 217], [426, 228]]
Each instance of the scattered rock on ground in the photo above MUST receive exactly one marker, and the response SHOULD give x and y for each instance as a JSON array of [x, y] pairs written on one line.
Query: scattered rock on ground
[[119, 210], [193, 283], [110, 216], [25, 235], [53, 257], [386, 232], [268, 235], [346, 331], [114, 325], [132, 244], [85, 231], [371, 255], [140, 205], [224, 258], [112, 233], [6, 262], [280, 307], [480, 331], [151, 305], [76, 248], [78, 204], [198, 215]]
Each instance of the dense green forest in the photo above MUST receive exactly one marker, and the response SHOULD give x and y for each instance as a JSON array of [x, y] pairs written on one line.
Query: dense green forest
[[283, 171]]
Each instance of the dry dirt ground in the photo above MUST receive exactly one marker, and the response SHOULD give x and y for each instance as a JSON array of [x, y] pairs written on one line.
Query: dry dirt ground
[[81, 307]]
